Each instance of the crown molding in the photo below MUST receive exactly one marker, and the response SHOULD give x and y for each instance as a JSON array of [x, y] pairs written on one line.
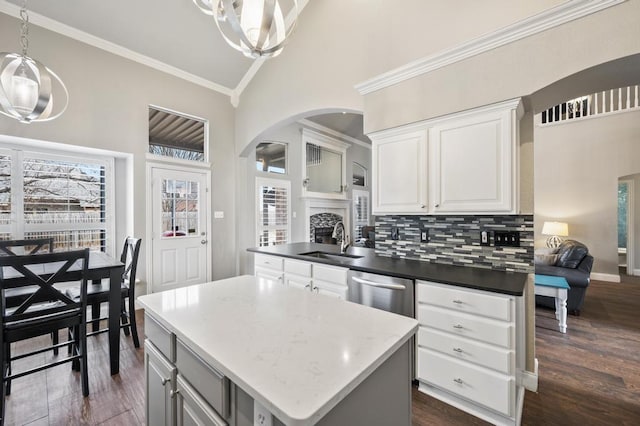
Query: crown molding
[[566, 12], [60, 28], [312, 125]]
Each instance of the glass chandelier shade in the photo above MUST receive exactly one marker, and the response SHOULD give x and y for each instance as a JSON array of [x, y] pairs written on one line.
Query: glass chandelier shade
[[257, 28], [205, 6], [27, 86]]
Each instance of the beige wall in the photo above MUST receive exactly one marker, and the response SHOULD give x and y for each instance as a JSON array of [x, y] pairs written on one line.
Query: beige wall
[[517, 69], [577, 169], [339, 44], [108, 104]]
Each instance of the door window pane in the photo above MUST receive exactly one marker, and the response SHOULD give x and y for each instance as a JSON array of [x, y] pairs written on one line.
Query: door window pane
[[180, 201]]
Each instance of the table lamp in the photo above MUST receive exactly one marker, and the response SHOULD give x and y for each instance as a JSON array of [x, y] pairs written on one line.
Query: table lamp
[[555, 230]]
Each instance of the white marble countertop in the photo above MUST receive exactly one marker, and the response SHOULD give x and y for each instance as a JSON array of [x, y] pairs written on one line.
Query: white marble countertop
[[296, 352]]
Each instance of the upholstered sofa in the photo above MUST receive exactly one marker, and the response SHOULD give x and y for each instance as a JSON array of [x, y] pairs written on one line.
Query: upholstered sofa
[[573, 262]]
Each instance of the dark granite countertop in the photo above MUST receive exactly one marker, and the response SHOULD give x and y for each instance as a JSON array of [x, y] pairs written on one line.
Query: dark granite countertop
[[511, 283]]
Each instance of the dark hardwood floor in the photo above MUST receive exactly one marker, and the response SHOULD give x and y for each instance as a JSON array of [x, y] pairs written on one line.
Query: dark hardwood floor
[[589, 376]]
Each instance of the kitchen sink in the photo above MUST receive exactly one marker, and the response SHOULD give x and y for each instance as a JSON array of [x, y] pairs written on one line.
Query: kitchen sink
[[330, 256]]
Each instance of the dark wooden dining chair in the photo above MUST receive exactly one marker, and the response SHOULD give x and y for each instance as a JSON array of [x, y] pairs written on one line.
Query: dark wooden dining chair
[[15, 296], [28, 246], [98, 293], [45, 311]]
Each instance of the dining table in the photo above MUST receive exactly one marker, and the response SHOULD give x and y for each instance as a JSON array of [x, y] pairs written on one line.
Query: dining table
[[101, 266]]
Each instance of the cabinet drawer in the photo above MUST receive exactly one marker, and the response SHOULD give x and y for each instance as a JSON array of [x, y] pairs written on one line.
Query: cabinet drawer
[[330, 289], [460, 324], [330, 274], [212, 385], [192, 409], [502, 360], [269, 274], [297, 267], [297, 281], [491, 389], [469, 301], [163, 339], [269, 262]]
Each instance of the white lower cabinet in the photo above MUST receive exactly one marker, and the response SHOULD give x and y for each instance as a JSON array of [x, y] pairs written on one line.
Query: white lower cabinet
[[319, 278], [269, 267], [470, 349]]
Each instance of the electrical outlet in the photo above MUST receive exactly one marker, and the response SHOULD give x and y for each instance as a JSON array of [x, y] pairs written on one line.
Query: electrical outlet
[[394, 233], [506, 238], [261, 416], [424, 235], [485, 238]]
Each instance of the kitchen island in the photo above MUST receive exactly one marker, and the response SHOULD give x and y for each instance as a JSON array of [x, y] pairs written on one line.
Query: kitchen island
[[228, 351]]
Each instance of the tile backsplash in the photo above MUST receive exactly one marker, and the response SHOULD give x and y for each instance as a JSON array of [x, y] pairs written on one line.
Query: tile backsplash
[[455, 240]]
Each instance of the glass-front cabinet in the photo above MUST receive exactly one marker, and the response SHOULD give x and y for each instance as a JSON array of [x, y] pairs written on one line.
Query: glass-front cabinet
[[324, 164]]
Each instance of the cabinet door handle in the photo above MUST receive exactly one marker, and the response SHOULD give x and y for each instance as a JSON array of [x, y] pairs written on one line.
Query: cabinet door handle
[[173, 393], [458, 326], [422, 206], [316, 289], [437, 205], [458, 381], [459, 350], [458, 302], [307, 286], [164, 381]]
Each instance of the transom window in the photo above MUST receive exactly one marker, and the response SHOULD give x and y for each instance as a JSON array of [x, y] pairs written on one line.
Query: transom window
[[56, 196], [177, 135]]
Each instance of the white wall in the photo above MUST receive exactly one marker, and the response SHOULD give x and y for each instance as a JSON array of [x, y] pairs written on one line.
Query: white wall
[[577, 169], [109, 97]]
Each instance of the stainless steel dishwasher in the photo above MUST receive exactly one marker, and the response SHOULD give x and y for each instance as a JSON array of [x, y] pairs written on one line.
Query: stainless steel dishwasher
[[381, 291]]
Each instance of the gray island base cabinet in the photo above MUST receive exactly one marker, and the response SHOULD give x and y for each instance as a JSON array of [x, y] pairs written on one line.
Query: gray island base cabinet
[[188, 383]]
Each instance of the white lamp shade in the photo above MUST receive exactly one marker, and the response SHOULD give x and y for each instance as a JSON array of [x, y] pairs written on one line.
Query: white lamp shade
[[559, 229]]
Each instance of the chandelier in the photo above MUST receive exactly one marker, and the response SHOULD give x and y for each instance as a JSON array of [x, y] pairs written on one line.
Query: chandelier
[[26, 85], [257, 28]]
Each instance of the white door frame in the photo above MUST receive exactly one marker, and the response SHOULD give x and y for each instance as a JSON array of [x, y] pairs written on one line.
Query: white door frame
[[630, 220], [170, 165]]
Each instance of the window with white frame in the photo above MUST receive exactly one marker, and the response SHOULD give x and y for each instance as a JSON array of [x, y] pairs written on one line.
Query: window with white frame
[[66, 197], [361, 213], [273, 208]]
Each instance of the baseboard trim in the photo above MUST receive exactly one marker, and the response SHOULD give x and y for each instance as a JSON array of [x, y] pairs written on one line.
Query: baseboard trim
[[530, 379], [613, 278]]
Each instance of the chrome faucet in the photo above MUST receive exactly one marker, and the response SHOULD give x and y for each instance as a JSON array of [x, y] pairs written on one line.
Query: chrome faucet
[[344, 244]]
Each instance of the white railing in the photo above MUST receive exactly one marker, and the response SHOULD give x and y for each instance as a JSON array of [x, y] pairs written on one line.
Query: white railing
[[606, 102]]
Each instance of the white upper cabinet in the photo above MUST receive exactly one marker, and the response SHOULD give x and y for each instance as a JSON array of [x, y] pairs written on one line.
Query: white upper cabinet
[[399, 171], [464, 163]]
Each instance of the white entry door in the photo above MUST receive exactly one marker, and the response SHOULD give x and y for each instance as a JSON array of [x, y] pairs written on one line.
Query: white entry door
[[180, 228]]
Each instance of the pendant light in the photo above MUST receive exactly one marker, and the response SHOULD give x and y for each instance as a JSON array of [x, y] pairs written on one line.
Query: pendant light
[[257, 28], [26, 85]]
